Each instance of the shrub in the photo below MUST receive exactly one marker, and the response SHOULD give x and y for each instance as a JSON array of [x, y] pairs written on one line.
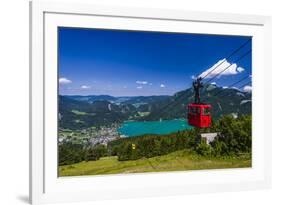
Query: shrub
[[203, 148]]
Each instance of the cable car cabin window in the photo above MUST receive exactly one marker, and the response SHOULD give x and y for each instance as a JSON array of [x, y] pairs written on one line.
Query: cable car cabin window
[[206, 111], [194, 110]]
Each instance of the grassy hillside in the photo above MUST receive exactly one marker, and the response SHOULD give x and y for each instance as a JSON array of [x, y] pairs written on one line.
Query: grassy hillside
[[176, 161]]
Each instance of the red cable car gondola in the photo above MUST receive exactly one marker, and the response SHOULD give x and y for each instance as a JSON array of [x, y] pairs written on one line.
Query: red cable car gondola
[[199, 113]]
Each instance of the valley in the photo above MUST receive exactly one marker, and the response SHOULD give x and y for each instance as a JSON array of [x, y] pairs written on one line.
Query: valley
[[107, 135], [81, 112]]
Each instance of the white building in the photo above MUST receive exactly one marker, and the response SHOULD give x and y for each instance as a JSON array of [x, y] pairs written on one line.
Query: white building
[[209, 136]]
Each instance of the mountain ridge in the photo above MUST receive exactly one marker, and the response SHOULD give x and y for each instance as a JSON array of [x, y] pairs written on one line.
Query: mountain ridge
[[78, 112]]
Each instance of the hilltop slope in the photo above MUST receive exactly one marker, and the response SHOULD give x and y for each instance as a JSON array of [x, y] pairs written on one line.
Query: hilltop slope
[[177, 161]]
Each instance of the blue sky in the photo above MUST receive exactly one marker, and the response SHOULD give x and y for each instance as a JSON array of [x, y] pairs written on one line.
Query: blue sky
[[134, 63]]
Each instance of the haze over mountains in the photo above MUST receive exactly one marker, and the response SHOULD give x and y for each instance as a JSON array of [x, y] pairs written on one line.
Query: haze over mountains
[[78, 112]]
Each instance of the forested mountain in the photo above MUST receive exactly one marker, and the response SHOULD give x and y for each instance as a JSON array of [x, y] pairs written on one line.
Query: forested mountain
[[223, 101], [92, 98], [76, 112], [134, 100]]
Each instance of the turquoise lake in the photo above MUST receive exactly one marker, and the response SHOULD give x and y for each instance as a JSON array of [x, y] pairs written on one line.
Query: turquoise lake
[[132, 129]]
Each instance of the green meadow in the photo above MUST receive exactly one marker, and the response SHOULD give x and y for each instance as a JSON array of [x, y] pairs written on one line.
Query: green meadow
[[176, 161]]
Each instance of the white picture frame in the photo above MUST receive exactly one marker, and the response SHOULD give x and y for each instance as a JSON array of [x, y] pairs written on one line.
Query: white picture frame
[[46, 187]]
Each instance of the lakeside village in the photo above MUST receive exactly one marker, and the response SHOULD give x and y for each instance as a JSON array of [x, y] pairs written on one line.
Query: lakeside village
[[90, 136]]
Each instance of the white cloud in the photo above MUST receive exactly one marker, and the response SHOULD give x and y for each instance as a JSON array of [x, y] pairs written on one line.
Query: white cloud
[[85, 87], [213, 83], [162, 86], [231, 69], [150, 83], [139, 87], [240, 69], [247, 89], [141, 82], [193, 77], [64, 81], [225, 87]]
